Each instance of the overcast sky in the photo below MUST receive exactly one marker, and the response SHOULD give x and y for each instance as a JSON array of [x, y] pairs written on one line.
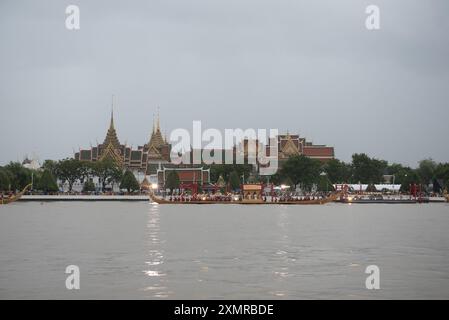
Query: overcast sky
[[305, 66]]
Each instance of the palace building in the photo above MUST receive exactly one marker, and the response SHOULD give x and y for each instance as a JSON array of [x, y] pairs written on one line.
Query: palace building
[[289, 145], [145, 159], [293, 145], [151, 161]]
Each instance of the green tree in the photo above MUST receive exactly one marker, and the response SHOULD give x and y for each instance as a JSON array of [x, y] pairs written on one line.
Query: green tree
[[288, 182], [69, 170], [89, 186], [47, 182], [172, 181], [116, 176], [408, 178], [442, 173], [51, 166], [86, 171], [5, 179], [234, 180], [107, 172], [324, 184], [217, 170], [20, 176], [225, 170], [400, 173], [275, 178], [367, 170], [129, 182], [426, 170], [302, 170], [337, 171]]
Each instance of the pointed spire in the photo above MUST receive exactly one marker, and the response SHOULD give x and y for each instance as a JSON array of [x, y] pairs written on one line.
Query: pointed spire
[[111, 135], [154, 125], [158, 118], [156, 139], [112, 113]]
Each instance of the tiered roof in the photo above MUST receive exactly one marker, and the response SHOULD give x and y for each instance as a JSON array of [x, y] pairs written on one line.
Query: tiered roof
[[289, 148], [111, 136], [156, 139]]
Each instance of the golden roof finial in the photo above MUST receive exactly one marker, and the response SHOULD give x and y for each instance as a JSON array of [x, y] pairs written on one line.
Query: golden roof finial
[[112, 113], [154, 126], [158, 118]]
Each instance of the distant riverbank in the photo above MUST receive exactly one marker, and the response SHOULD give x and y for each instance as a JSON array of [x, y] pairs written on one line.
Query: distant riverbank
[[80, 197]]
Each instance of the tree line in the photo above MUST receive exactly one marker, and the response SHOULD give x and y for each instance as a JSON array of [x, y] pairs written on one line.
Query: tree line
[[15, 177], [296, 171], [308, 173]]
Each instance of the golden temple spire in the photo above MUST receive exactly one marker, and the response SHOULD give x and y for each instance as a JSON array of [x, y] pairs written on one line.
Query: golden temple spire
[[112, 113], [158, 124], [111, 135], [154, 126], [156, 139]]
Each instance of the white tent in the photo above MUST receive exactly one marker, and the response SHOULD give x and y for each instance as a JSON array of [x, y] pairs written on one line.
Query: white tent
[[379, 187], [389, 187]]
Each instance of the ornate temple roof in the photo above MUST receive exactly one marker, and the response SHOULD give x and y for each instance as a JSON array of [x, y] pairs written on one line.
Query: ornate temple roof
[[289, 148], [156, 139], [111, 135]]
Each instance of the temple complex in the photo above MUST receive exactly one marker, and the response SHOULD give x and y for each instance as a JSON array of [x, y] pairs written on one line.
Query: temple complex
[[151, 161], [145, 159], [293, 145]]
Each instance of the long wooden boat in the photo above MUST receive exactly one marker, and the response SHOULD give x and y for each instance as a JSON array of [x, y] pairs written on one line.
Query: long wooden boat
[[15, 197], [380, 201], [331, 198]]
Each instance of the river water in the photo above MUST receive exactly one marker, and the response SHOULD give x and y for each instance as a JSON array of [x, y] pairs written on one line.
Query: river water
[[138, 250]]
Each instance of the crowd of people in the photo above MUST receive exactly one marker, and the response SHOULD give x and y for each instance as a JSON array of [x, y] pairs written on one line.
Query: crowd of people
[[296, 197], [202, 197], [218, 197]]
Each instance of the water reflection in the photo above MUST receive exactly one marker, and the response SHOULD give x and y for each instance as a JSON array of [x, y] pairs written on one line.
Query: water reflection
[[156, 277], [281, 271]]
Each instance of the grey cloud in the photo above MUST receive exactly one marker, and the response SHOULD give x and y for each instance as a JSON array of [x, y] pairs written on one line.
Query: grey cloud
[[307, 66]]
